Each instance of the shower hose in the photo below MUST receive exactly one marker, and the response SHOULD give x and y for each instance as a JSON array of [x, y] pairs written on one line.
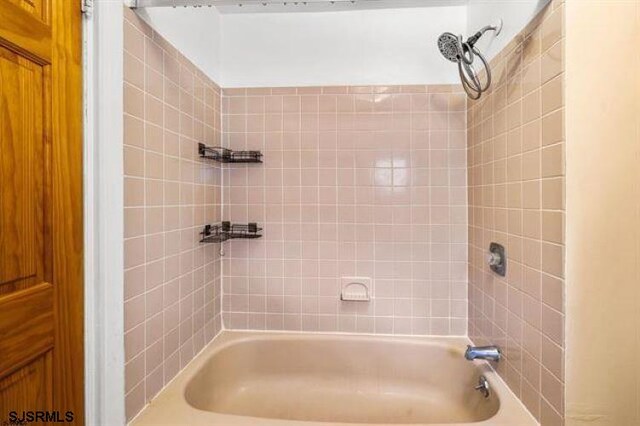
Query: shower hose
[[468, 75]]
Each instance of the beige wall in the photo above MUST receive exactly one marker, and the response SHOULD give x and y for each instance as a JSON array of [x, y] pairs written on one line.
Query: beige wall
[[603, 219], [356, 181], [516, 183], [172, 283]]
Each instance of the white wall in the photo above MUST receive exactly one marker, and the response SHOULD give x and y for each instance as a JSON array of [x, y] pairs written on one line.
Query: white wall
[[383, 46], [391, 46], [193, 31], [515, 14]]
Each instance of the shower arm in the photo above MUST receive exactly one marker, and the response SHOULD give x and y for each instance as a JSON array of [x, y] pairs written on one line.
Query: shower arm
[[474, 39]]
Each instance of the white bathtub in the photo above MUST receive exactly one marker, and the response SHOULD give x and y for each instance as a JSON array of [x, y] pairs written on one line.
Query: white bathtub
[[268, 379]]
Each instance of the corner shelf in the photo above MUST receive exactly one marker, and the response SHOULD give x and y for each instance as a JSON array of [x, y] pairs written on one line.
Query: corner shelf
[[228, 231], [224, 155]]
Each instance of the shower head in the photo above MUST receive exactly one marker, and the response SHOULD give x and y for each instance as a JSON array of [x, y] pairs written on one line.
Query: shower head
[[456, 50], [448, 44]]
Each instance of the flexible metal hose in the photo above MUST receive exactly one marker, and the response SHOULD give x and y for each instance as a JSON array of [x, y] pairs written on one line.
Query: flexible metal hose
[[455, 49], [470, 81]]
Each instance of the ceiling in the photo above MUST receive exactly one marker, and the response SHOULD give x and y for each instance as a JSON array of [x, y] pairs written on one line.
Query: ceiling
[[282, 6], [328, 6]]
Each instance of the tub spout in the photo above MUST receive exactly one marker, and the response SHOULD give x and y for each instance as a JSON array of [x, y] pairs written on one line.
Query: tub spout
[[490, 353]]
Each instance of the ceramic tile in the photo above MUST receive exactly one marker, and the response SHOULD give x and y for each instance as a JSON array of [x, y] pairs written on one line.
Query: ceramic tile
[[516, 161], [164, 112]]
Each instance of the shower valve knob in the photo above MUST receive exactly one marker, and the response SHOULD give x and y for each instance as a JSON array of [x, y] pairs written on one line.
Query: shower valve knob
[[494, 259]]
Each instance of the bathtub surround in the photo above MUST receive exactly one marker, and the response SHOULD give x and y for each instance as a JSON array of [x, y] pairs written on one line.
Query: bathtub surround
[[406, 185], [516, 198], [356, 181], [172, 284]]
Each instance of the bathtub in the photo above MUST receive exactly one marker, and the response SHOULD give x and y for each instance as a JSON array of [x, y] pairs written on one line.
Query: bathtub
[[268, 379]]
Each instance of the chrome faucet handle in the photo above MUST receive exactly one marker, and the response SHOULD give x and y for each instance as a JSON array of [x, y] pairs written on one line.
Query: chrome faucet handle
[[483, 386]]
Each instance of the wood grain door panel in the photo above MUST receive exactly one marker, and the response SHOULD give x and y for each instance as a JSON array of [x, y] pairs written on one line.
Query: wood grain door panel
[[22, 172], [27, 387], [26, 326], [41, 258], [39, 9], [25, 32]]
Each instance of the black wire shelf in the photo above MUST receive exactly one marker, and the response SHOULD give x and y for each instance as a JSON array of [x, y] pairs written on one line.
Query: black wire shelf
[[228, 231], [224, 155]]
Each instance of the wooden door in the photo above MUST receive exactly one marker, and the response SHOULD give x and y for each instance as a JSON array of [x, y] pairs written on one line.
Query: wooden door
[[41, 272]]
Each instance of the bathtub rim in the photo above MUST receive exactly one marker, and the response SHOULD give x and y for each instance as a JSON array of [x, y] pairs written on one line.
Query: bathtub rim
[[170, 406]]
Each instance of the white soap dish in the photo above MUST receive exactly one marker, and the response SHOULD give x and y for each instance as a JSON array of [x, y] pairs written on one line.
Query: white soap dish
[[356, 289]]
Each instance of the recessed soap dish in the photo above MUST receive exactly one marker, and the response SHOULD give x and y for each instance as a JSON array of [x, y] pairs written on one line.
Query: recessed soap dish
[[356, 289]]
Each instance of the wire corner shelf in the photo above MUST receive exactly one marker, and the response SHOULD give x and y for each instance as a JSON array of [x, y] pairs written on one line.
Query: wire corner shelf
[[224, 155], [227, 231]]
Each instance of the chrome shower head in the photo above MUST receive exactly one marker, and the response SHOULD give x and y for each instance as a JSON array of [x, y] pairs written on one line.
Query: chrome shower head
[[448, 44], [464, 53]]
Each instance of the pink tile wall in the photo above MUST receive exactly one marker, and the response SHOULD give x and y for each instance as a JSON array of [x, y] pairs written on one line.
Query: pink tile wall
[[172, 283], [516, 197], [356, 181]]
